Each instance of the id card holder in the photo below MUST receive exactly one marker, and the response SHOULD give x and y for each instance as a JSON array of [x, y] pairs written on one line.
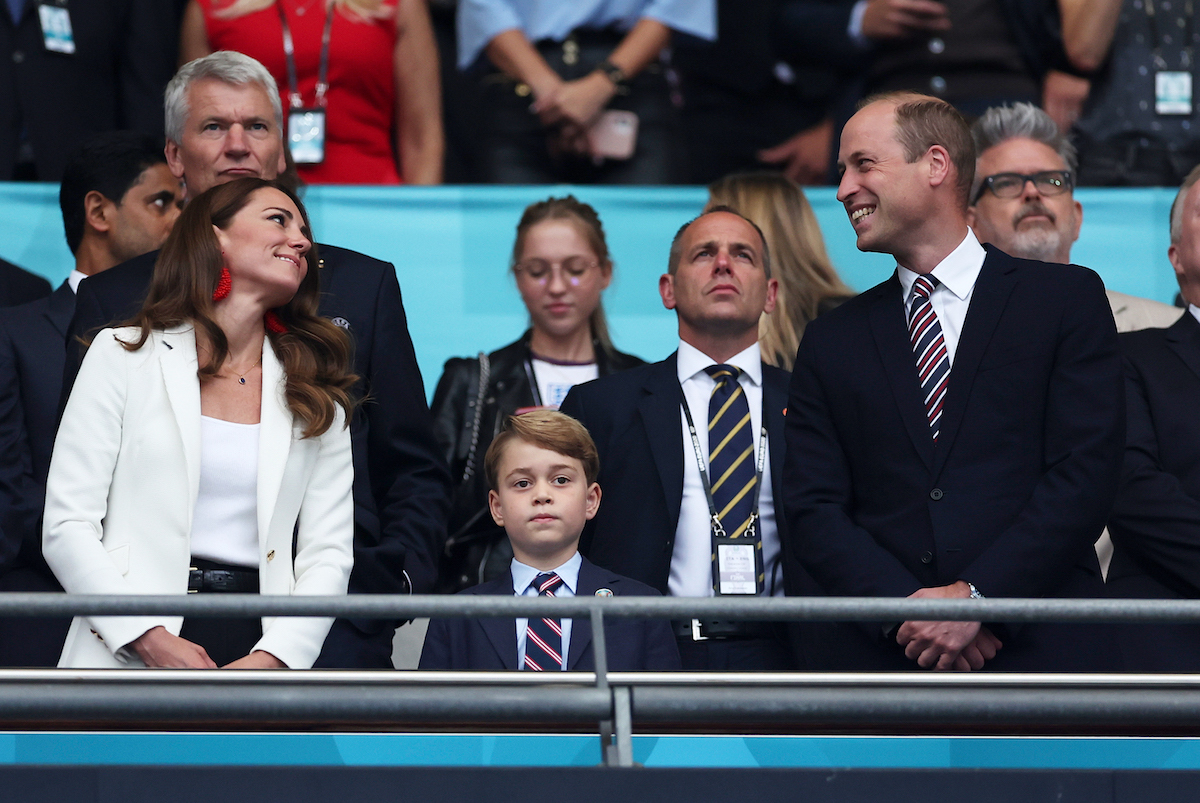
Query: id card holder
[[1173, 92], [306, 135], [739, 566], [57, 35]]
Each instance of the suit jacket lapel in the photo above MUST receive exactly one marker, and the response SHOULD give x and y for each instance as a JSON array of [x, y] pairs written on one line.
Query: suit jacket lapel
[[774, 402], [502, 633], [1183, 338], [61, 308], [992, 289], [895, 350], [659, 410], [177, 359], [274, 438]]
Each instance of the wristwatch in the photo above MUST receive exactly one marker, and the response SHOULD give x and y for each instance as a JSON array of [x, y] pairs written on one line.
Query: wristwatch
[[614, 73], [974, 591]]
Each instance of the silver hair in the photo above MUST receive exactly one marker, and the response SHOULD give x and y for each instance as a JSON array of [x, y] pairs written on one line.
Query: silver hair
[[1177, 204], [223, 65], [1019, 121]]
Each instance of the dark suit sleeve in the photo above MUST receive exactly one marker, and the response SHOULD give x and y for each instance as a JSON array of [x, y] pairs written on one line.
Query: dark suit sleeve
[[662, 650], [1083, 441], [435, 654], [1154, 518], [818, 31], [149, 52], [18, 507], [90, 317], [842, 557], [410, 481]]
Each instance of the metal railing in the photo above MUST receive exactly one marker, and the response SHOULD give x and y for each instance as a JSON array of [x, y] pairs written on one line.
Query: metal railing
[[615, 700]]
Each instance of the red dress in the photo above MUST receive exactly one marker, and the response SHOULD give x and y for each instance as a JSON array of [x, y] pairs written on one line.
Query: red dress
[[361, 101]]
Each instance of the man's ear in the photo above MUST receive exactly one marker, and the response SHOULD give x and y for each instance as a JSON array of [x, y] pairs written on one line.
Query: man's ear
[[939, 165], [174, 159], [98, 211], [666, 289]]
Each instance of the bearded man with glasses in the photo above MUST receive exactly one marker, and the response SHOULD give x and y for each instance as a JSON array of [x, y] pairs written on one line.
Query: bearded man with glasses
[[1023, 203]]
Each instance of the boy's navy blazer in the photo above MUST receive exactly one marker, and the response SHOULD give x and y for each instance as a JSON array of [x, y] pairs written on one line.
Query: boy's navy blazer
[[491, 643]]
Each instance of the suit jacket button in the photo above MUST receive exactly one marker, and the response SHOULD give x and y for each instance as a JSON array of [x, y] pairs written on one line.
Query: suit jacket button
[[271, 555], [936, 494], [927, 557]]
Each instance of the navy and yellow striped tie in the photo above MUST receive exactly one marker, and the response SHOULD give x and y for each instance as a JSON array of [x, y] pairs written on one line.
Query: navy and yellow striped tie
[[730, 450]]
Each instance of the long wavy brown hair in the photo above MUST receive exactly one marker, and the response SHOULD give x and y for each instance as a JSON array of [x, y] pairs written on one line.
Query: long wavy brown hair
[[314, 352], [808, 282]]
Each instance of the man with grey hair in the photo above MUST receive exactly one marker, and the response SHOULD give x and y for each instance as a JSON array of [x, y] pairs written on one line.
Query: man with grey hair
[[224, 121], [1022, 200], [1155, 523]]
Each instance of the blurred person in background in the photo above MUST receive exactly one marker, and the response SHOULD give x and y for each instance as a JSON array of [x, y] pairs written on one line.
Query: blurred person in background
[[809, 285], [561, 264], [576, 92], [379, 118], [71, 70]]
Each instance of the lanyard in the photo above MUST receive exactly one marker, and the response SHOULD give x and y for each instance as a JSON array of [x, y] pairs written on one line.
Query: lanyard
[[1159, 62], [717, 528], [289, 52]]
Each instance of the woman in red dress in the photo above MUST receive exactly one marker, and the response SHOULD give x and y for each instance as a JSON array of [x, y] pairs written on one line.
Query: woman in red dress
[[382, 109]]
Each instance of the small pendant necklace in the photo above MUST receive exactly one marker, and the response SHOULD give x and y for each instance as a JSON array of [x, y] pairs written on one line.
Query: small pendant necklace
[[242, 376]]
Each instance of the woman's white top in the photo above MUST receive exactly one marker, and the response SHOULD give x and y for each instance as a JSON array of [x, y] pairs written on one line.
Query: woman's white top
[[555, 379], [225, 524]]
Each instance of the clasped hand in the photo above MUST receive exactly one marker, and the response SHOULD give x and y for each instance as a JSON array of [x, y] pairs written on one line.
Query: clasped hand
[[962, 646]]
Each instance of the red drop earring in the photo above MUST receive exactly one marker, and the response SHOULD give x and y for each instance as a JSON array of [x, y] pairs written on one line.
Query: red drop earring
[[274, 323], [224, 284]]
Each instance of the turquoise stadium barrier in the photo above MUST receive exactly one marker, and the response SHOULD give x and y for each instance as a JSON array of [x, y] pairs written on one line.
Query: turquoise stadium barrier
[[451, 248]]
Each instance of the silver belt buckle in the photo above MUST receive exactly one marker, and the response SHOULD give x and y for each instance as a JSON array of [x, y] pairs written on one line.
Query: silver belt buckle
[[696, 635]]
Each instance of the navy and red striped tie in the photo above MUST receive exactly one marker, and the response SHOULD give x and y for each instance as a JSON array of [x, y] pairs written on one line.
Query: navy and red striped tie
[[543, 637], [929, 347]]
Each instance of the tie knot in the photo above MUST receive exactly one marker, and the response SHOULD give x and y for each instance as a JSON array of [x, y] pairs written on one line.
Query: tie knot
[[546, 583], [720, 373], [923, 286]]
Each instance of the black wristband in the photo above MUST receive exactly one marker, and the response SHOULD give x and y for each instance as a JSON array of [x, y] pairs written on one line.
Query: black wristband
[[614, 73]]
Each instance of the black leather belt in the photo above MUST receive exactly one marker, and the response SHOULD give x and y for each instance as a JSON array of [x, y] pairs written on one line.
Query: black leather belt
[[241, 581], [701, 630]]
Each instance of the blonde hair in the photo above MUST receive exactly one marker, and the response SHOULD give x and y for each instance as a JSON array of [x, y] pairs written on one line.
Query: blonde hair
[[806, 276], [353, 8]]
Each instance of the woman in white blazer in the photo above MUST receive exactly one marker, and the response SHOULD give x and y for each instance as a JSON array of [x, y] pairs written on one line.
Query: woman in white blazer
[[204, 446]]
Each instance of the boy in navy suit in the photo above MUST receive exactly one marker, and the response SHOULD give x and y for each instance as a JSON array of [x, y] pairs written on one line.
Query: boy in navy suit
[[542, 472]]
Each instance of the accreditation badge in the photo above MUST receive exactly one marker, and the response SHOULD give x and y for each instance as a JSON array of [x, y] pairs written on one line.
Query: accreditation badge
[[739, 566], [57, 35], [306, 135], [1173, 92]]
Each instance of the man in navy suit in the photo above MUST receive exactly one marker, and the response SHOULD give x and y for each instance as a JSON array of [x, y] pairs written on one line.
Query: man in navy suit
[[224, 120], [118, 200], [541, 470], [1155, 525], [956, 431], [656, 525], [18, 285]]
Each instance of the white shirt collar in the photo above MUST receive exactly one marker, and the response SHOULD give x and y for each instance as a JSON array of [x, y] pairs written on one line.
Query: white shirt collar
[[523, 574], [691, 361], [958, 271], [74, 279]]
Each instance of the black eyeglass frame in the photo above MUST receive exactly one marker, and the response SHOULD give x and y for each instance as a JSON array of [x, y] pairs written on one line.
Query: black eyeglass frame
[[1067, 178]]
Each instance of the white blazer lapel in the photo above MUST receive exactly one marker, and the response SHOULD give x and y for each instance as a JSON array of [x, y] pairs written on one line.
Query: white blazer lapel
[[274, 438], [177, 358]]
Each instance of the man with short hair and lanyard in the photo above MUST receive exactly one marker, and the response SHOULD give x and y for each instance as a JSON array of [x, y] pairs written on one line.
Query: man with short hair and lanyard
[[691, 448]]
